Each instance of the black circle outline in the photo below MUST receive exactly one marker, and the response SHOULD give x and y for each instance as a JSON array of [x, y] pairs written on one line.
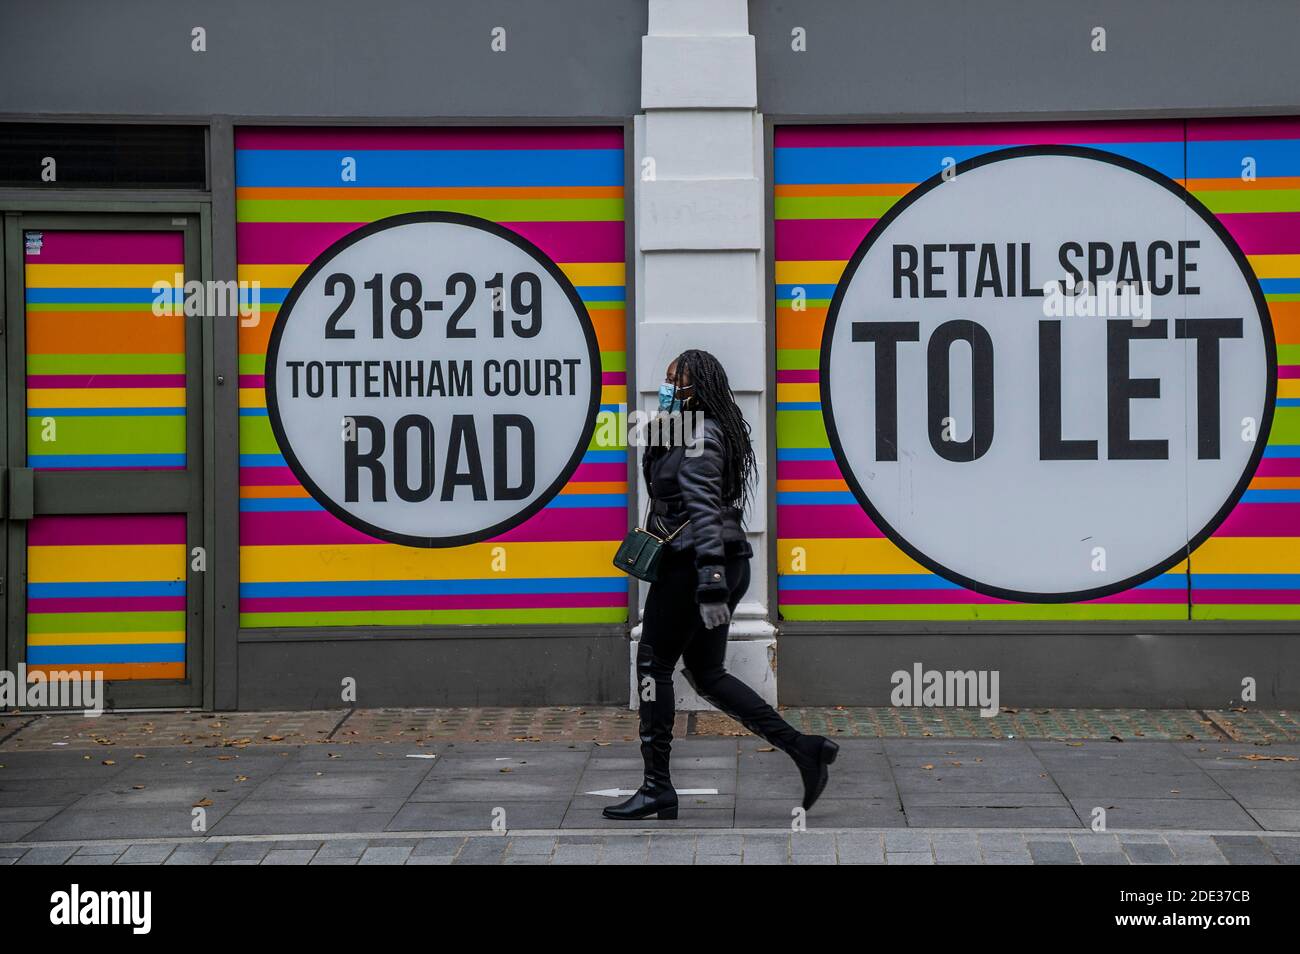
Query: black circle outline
[[1270, 384], [382, 225]]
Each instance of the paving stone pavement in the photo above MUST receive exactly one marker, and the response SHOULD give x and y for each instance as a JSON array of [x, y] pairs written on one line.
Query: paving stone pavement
[[890, 801]]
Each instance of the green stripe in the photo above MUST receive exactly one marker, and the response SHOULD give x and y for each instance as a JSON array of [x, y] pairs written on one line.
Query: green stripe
[[1286, 426], [1288, 354], [368, 210], [1251, 200], [577, 614], [798, 359], [255, 436], [107, 435], [832, 206], [801, 429], [1244, 611], [992, 611], [105, 622], [92, 306], [1282, 296], [106, 364], [810, 302]]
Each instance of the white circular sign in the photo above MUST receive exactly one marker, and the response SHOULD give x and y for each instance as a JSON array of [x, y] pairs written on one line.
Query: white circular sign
[[1012, 441], [433, 379]]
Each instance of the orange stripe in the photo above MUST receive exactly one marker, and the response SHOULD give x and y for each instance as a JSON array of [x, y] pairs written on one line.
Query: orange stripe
[[1236, 183], [279, 491], [116, 671], [76, 332], [1286, 321], [799, 329], [464, 192], [846, 188], [595, 487], [1275, 483], [829, 484]]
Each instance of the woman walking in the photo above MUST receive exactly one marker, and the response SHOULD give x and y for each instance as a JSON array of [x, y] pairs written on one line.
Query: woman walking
[[702, 575]]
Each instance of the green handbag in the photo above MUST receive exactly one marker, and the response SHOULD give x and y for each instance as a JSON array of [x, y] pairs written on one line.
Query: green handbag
[[640, 552]]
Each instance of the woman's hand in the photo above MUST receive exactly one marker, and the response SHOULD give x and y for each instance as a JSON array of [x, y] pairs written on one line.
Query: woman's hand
[[714, 614]]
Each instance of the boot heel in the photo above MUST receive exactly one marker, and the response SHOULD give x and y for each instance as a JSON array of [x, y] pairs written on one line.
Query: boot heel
[[668, 814], [829, 751]]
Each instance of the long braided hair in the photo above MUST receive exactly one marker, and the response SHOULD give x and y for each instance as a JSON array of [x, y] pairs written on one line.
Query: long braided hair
[[711, 394]]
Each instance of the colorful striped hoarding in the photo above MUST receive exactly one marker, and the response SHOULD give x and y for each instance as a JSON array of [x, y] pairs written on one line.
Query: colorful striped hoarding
[[560, 188], [107, 593], [832, 184], [105, 375]]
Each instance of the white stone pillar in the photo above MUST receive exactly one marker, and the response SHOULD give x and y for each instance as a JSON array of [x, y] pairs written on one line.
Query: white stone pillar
[[699, 254]]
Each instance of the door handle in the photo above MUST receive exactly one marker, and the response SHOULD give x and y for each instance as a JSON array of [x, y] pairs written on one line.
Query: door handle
[[21, 486]]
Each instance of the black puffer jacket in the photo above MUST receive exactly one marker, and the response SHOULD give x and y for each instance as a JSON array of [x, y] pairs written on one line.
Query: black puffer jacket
[[686, 484]]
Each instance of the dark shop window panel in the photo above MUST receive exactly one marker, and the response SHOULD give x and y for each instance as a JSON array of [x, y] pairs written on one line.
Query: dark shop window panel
[[127, 157]]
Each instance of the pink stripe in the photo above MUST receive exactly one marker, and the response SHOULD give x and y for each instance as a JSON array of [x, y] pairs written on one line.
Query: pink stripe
[[808, 470], [1262, 520], [338, 604], [110, 248], [252, 380], [107, 530], [1279, 467], [954, 597], [108, 604], [979, 134], [105, 380], [798, 376], [833, 521], [586, 523], [819, 240], [1264, 233], [1208, 130], [320, 528], [613, 377], [267, 477], [589, 472], [297, 243], [1204, 595], [447, 137], [1288, 370]]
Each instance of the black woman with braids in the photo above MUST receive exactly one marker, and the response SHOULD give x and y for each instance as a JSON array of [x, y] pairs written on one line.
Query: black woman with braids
[[703, 488]]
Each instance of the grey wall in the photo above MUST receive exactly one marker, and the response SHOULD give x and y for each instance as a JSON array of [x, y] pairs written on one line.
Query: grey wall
[[994, 57], [337, 58]]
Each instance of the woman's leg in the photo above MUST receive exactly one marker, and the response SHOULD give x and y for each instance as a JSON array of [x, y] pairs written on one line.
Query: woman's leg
[[705, 670], [666, 626]]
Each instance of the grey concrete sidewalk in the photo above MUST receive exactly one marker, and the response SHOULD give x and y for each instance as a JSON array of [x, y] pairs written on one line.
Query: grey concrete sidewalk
[[895, 800]]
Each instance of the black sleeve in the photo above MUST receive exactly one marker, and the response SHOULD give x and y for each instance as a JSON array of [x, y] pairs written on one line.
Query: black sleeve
[[700, 478]]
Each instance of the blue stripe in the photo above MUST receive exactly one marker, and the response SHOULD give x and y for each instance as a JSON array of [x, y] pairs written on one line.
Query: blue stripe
[[1280, 286], [1246, 581], [50, 591], [253, 412], [389, 168], [106, 653], [577, 584], [605, 457], [798, 405], [277, 504], [814, 497], [106, 411], [810, 291], [804, 453], [125, 296], [51, 461], [910, 164], [1271, 496], [1288, 402], [1221, 159], [572, 501], [261, 460], [602, 292], [1282, 450], [918, 581]]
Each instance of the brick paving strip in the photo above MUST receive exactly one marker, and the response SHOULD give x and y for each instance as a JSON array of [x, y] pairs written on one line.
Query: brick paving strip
[[648, 846], [29, 732]]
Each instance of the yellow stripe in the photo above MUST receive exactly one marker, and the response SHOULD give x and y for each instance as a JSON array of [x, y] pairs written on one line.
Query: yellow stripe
[[283, 276], [154, 561], [1288, 388], [106, 397], [1275, 266], [116, 639], [1247, 555], [812, 273], [252, 397], [382, 561], [795, 391], [100, 276], [872, 555]]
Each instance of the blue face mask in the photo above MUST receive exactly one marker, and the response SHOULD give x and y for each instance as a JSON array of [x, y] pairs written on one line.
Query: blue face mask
[[668, 401]]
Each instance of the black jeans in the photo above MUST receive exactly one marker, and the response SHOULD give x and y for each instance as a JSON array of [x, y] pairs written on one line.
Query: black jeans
[[672, 629]]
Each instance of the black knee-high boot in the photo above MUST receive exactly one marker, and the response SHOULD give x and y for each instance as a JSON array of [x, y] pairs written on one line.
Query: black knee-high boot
[[811, 753], [656, 796]]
